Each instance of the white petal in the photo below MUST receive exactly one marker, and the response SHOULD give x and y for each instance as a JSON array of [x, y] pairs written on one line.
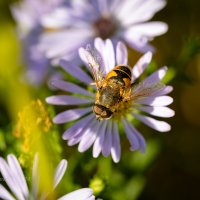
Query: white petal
[[9, 177], [60, 171], [77, 127], [19, 176], [4, 194], [92, 58], [157, 111], [160, 126], [71, 87], [156, 101], [110, 55], [70, 115], [67, 100], [98, 144], [75, 71], [85, 55], [107, 53], [99, 44], [121, 53], [81, 194], [116, 147], [141, 65]]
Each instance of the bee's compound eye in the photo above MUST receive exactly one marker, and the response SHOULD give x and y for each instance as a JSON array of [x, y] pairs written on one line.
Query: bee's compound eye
[[102, 112]]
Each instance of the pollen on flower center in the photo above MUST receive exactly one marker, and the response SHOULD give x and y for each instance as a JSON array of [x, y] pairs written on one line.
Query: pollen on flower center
[[123, 109], [105, 27]]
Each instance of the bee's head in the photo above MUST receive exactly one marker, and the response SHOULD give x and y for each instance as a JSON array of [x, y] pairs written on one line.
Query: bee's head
[[102, 112]]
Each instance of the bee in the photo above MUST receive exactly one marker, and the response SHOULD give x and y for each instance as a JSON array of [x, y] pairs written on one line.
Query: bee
[[114, 89]]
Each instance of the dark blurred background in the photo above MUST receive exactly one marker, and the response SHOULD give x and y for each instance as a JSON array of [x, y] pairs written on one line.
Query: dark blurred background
[[175, 174], [173, 169]]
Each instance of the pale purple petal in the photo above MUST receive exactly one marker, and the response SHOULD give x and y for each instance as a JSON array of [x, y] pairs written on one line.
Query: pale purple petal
[[121, 53], [98, 144], [163, 91], [71, 87], [156, 101], [19, 176], [123, 9], [83, 11], [4, 194], [130, 131], [138, 42], [160, 126], [107, 144], [60, 171], [77, 127], [143, 11], [81, 194], [131, 136], [155, 78], [71, 115], [89, 136], [75, 71], [141, 65], [103, 7], [10, 179], [64, 41], [114, 5], [149, 29], [157, 111], [57, 19], [116, 146], [79, 135], [67, 100]]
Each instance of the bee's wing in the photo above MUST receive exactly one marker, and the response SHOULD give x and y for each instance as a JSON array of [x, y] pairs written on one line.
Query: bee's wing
[[94, 60], [143, 90]]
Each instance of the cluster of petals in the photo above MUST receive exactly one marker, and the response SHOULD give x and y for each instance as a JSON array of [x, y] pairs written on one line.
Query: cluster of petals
[[104, 135], [78, 24], [28, 15], [53, 29], [17, 182]]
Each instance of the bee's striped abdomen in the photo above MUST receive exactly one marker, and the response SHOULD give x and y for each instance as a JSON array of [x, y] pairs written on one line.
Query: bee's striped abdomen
[[121, 74]]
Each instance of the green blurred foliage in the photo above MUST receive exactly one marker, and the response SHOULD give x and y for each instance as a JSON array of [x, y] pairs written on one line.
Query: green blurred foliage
[[170, 167]]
